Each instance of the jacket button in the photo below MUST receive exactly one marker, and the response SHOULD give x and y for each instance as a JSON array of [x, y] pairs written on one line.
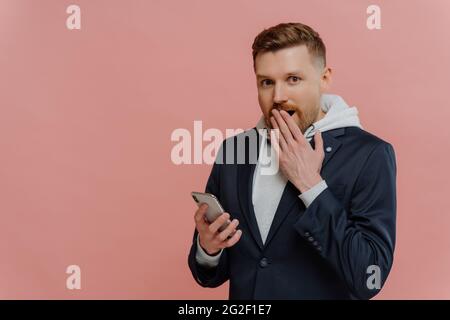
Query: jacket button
[[315, 243], [264, 262], [307, 234], [310, 239]]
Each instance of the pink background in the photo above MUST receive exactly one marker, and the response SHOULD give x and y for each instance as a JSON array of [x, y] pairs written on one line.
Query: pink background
[[86, 117]]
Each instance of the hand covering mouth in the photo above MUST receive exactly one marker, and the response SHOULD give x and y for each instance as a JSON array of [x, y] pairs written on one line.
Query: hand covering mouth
[[290, 112]]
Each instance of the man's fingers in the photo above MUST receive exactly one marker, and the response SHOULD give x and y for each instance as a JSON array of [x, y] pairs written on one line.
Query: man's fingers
[[199, 216], [293, 127], [213, 227], [283, 126], [235, 238], [281, 141], [228, 230]]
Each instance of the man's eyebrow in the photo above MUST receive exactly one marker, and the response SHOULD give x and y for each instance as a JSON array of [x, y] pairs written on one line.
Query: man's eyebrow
[[292, 73]]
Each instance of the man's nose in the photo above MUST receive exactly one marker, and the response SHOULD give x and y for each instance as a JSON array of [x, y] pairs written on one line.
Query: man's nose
[[279, 94]]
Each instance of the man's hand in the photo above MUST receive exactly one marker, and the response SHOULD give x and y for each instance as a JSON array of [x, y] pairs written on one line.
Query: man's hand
[[298, 161], [211, 240]]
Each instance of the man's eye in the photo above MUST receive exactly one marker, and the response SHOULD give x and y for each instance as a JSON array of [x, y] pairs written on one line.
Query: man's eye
[[294, 79], [266, 82]]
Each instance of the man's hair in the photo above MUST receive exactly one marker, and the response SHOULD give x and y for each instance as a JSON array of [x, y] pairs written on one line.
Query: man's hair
[[286, 35]]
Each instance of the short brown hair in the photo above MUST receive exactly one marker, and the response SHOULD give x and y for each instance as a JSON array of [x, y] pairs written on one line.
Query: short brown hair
[[285, 35]]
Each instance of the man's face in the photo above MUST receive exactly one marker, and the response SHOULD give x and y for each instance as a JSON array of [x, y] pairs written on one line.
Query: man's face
[[291, 79]]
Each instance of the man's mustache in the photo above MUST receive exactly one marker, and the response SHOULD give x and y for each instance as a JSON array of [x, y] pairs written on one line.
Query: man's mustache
[[285, 106], [289, 108]]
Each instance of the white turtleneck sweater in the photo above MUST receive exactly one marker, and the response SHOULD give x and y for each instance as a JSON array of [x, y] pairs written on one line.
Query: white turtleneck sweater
[[268, 189]]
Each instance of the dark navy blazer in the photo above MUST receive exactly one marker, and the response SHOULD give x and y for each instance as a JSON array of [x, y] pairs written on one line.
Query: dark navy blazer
[[321, 252]]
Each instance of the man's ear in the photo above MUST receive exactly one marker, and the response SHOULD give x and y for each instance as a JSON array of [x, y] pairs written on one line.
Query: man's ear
[[326, 79]]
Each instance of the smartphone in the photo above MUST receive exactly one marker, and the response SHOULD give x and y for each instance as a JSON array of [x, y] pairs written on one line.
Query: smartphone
[[214, 208]]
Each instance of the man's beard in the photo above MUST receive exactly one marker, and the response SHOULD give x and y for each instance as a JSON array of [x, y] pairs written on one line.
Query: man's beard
[[306, 119]]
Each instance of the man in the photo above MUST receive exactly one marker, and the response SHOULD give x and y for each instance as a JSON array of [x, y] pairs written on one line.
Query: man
[[323, 226]]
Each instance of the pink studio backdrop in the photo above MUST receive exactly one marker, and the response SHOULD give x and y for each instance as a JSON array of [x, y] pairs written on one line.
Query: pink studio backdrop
[[86, 117]]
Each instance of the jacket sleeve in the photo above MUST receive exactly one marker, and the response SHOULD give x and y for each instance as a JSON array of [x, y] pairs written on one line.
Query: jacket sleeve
[[207, 276], [360, 241]]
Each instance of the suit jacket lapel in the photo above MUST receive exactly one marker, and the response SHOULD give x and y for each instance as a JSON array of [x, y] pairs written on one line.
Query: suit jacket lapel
[[330, 143], [245, 174], [245, 182], [290, 195]]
